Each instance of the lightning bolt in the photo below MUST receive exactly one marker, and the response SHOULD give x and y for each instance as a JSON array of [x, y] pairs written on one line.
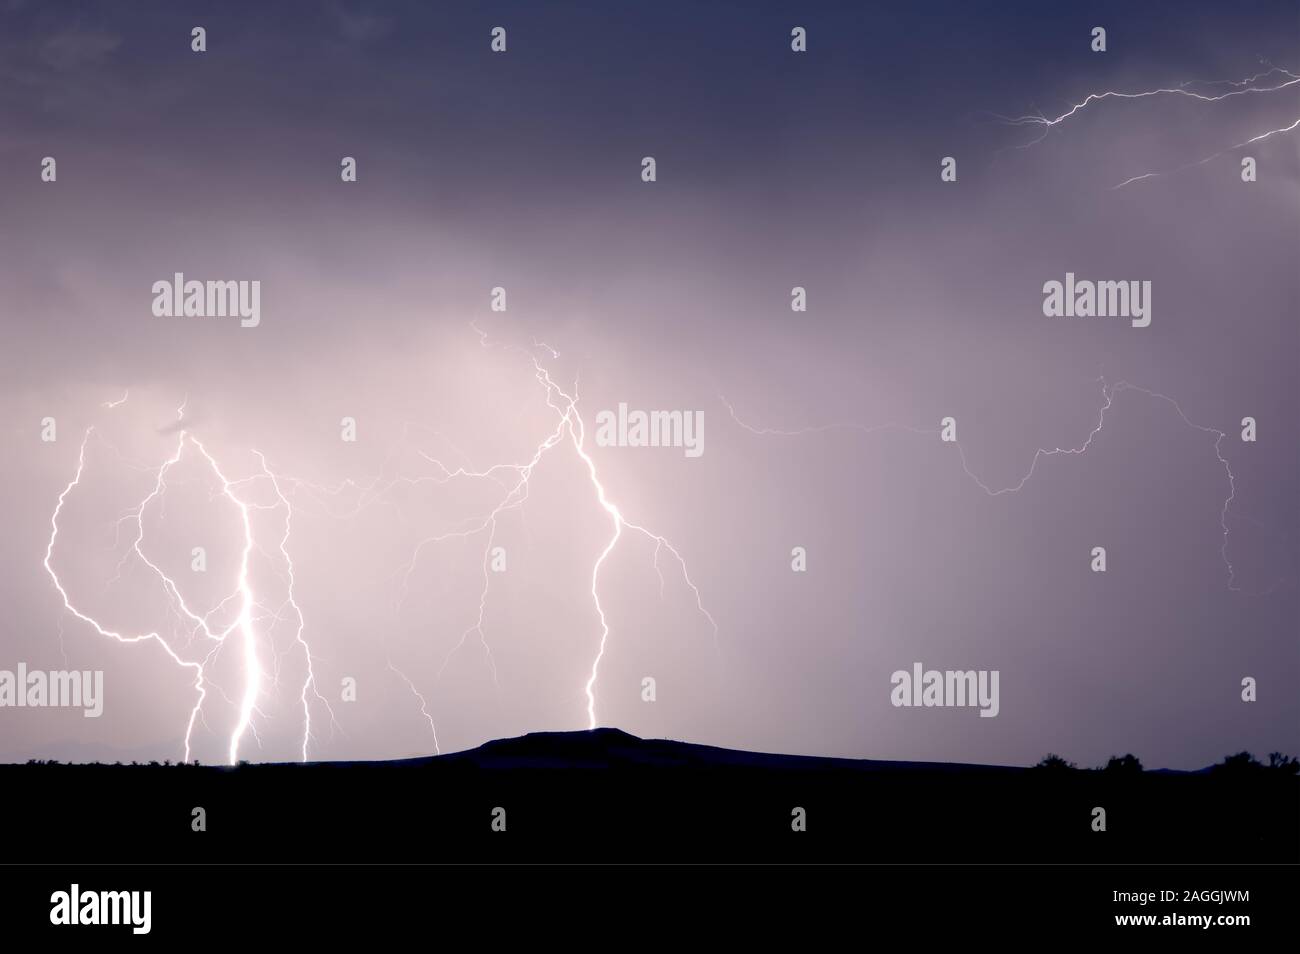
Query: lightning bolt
[[568, 422], [515, 495], [1108, 393], [102, 630], [1240, 88], [514, 479], [1279, 79], [253, 673], [577, 432], [243, 627], [1223, 152], [309, 684], [424, 706]]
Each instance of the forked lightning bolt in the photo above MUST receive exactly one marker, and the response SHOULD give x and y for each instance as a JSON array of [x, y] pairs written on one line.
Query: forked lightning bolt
[[513, 478], [568, 423], [577, 432], [103, 631], [244, 626]]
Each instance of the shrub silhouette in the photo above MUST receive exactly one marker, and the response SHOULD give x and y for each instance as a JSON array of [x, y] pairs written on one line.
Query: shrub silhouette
[[1054, 763], [1239, 764], [1125, 765]]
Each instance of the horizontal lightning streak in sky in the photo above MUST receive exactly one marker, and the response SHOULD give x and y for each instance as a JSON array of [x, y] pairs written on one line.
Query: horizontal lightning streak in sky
[[1239, 88], [1200, 162], [1242, 87]]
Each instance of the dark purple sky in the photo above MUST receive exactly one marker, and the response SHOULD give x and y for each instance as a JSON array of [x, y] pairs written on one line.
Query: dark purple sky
[[775, 169]]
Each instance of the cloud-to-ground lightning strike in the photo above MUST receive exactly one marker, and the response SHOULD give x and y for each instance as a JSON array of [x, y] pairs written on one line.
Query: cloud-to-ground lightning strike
[[253, 673], [103, 631], [245, 622], [569, 422], [310, 682], [577, 432], [424, 706], [514, 479], [1108, 392], [1278, 79]]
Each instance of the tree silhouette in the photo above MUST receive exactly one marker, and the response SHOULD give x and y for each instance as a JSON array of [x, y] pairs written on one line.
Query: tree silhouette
[[1283, 763]]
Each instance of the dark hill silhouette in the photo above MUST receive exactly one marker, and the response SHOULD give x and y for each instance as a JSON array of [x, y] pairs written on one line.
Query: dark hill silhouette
[[614, 748], [608, 795]]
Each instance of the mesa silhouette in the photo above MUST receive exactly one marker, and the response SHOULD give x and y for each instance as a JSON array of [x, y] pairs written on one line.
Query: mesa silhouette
[[605, 795]]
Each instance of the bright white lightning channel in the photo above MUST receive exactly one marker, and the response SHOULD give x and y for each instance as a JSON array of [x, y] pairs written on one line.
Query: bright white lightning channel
[[568, 423], [514, 478], [243, 627]]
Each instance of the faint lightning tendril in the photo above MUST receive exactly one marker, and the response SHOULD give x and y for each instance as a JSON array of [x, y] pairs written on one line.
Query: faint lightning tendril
[[424, 706], [1108, 396]]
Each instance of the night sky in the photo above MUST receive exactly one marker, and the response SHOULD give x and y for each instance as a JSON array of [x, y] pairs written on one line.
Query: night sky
[[775, 169]]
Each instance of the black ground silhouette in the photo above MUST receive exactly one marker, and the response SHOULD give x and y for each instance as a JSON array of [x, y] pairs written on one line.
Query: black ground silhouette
[[605, 795]]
